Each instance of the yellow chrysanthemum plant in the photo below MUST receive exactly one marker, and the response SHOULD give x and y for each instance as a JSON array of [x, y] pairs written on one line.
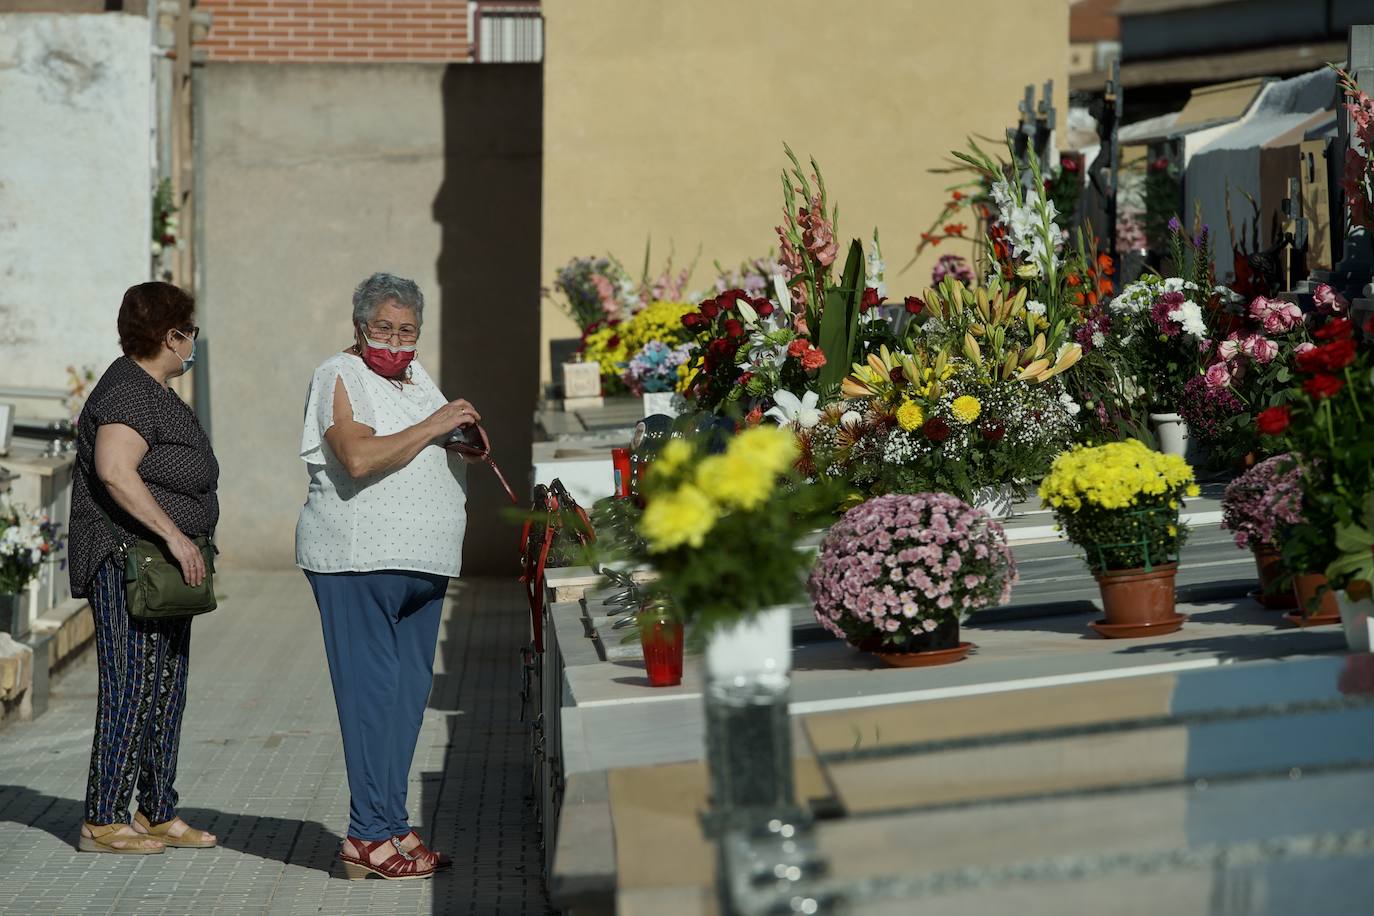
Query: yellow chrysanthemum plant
[[1120, 502], [613, 346], [720, 527]]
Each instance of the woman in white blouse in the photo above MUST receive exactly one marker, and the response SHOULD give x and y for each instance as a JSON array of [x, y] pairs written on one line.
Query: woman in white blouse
[[379, 537]]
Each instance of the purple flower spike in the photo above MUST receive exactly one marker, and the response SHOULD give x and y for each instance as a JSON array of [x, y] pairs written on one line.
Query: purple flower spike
[[1175, 225]]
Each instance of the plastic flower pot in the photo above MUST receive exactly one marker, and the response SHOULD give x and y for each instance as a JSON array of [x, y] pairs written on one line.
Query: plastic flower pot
[[660, 638], [1269, 565], [1311, 612], [1138, 602], [1172, 433], [939, 647]]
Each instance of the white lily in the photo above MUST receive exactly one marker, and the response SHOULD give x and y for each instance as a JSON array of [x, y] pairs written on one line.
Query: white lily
[[781, 293], [746, 310], [792, 409]]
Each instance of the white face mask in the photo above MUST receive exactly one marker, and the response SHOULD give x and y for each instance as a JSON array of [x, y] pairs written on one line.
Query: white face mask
[[190, 360]]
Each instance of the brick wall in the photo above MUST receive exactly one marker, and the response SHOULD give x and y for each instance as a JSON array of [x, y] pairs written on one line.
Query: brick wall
[[338, 30]]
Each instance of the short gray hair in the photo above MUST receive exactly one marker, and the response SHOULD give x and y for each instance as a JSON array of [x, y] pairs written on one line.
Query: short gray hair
[[381, 288]]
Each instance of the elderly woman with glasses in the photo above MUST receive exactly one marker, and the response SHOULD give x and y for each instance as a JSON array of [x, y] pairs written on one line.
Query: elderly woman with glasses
[[379, 537]]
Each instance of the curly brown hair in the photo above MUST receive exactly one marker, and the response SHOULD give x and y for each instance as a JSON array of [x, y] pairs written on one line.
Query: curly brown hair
[[148, 312]]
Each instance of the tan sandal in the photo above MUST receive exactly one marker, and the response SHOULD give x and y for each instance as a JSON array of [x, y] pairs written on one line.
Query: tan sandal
[[107, 837], [191, 837]]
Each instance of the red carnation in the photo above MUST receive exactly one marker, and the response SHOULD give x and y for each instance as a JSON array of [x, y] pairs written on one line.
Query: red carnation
[[914, 305], [993, 430], [798, 346], [936, 430], [1309, 361], [764, 309], [734, 328], [692, 320], [1273, 421], [813, 359], [897, 375], [709, 309], [1336, 329], [1338, 354], [1323, 386], [870, 299], [722, 349], [613, 342]]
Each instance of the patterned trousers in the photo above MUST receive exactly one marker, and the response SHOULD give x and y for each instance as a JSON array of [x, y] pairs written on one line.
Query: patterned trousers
[[142, 694]]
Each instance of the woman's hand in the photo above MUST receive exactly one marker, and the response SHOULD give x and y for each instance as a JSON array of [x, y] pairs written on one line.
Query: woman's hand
[[453, 415], [189, 558]]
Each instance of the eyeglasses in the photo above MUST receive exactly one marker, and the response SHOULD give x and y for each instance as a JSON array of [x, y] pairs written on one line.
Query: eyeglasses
[[384, 330], [193, 333]]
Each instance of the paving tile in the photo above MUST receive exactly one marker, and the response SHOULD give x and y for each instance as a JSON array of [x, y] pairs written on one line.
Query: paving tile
[[261, 766]]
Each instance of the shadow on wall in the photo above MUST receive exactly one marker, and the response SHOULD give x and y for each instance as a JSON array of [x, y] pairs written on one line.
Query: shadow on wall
[[489, 210]]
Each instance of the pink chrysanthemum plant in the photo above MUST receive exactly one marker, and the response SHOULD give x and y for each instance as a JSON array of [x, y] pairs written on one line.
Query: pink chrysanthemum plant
[[897, 573], [1263, 503]]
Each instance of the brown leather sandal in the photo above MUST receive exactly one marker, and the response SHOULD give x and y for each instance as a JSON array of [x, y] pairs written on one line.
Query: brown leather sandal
[[421, 851], [107, 837], [191, 837], [399, 866]]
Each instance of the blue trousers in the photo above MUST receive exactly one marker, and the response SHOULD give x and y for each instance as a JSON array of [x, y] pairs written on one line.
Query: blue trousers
[[380, 629], [141, 695]]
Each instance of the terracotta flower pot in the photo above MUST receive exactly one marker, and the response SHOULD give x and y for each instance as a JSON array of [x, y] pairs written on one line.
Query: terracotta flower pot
[[1310, 612], [1137, 602], [1269, 564]]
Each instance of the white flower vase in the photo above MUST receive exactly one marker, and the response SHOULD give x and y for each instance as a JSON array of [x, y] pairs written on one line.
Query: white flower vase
[[1357, 618], [748, 731], [759, 646], [997, 501], [660, 403], [1172, 433]]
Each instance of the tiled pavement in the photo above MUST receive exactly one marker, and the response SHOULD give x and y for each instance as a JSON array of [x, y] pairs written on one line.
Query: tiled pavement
[[261, 765]]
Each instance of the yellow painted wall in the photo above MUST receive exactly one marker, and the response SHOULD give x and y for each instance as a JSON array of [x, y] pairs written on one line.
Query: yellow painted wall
[[666, 118]]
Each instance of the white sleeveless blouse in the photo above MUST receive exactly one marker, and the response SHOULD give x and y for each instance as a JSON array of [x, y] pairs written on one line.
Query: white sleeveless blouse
[[412, 518]]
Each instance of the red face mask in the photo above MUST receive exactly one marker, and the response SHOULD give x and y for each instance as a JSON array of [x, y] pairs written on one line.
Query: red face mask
[[385, 360]]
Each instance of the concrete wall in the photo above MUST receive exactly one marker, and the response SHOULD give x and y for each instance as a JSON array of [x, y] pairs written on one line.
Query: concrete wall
[[315, 176], [75, 188], [668, 118]]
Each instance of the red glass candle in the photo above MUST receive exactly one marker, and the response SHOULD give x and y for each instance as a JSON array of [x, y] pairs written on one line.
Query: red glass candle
[[661, 639], [620, 460]]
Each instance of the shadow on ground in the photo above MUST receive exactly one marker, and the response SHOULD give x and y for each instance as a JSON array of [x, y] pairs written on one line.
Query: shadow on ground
[[277, 838]]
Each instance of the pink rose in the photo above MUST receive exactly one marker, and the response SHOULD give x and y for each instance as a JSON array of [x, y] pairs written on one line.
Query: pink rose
[[1276, 315], [1218, 375], [1303, 347], [1229, 348], [1261, 349], [1329, 302]]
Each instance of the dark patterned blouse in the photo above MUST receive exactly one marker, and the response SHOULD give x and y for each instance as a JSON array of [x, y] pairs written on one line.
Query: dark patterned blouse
[[179, 469]]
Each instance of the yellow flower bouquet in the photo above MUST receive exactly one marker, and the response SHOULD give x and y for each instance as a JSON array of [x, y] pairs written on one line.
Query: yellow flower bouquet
[[1120, 502], [720, 527]]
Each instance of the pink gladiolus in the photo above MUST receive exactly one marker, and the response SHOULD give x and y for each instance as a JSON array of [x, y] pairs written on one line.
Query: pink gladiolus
[[818, 236], [1218, 375]]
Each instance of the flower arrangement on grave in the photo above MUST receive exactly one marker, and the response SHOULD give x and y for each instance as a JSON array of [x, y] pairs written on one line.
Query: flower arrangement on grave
[[1120, 502], [1250, 369], [27, 540], [598, 291], [619, 348], [753, 353], [970, 398], [1357, 172], [166, 223], [896, 574], [1327, 422], [720, 529], [1259, 507]]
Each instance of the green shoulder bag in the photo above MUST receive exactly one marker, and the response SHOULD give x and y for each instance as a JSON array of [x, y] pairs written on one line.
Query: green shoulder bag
[[154, 588]]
